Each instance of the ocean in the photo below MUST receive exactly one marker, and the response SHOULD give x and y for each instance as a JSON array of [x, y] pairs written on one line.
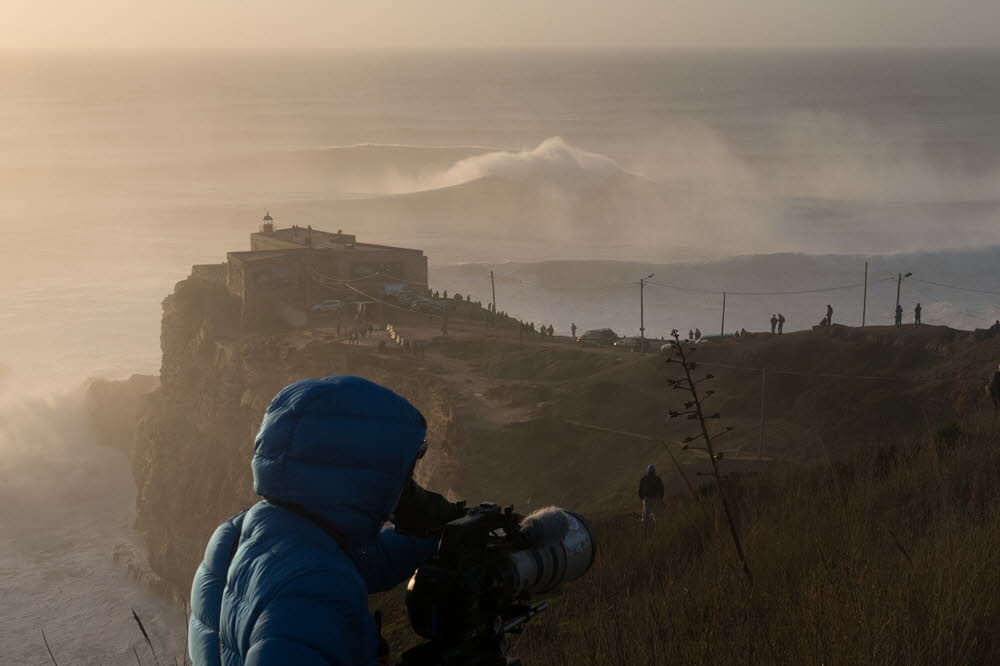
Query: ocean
[[571, 174]]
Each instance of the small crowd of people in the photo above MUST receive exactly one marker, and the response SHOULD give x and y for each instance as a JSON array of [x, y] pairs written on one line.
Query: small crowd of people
[[917, 310], [528, 330]]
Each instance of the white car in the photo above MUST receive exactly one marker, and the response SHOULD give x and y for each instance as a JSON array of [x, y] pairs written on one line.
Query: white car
[[332, 305]]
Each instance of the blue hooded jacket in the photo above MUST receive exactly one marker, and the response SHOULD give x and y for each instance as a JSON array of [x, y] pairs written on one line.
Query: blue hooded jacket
[[287, 581]]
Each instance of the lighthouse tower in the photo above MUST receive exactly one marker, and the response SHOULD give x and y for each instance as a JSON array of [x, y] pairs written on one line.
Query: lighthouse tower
[[267, 224]]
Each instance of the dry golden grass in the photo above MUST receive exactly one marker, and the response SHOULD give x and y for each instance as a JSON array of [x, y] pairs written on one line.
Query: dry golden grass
[[888, 558]]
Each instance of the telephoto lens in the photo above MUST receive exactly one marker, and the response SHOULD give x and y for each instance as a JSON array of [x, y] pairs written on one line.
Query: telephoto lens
[[562, 549]]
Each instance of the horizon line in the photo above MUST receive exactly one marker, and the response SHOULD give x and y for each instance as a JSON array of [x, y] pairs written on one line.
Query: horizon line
[[507, 49]]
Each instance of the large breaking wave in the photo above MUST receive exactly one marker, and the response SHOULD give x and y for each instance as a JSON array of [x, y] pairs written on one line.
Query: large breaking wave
[[553, 162]]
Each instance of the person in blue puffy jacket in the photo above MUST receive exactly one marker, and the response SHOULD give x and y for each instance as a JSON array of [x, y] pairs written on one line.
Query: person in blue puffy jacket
[[287, 581]]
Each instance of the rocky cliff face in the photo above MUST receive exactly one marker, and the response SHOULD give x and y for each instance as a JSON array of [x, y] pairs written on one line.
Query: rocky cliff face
[[195, 437]]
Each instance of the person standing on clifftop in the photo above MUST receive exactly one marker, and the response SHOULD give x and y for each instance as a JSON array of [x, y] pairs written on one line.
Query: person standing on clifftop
[[774, 323], [651, 494], [781, 323], [829, 315], [287, 581], [916, 315], [899, 315], [572, 328]]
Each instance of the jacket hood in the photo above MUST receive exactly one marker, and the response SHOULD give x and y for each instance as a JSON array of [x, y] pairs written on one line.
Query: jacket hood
[[339, 448]]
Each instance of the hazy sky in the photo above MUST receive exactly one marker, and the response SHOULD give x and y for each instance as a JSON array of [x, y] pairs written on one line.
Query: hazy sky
[[506, 23]]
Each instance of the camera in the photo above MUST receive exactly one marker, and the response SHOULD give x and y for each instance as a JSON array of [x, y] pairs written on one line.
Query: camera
[[477, 588]]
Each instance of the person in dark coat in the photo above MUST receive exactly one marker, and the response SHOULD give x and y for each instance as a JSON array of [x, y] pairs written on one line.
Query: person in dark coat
[[899, 315], [993, 388], [781, 323], [287, 581], [774, 323], [829, 315], [916, 314], [651, 494]]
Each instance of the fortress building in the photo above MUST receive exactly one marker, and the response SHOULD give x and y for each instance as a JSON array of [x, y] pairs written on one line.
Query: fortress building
[[288, 272]]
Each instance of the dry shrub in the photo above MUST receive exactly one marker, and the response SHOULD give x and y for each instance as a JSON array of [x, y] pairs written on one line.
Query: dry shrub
[[888, 559]]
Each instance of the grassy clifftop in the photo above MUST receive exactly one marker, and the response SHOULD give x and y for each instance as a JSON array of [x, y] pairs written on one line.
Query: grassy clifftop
[[888, 556], [868, 522]]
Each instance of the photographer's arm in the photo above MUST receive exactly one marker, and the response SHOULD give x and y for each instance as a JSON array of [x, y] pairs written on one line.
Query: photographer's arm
[[391, 558], [397, 551]]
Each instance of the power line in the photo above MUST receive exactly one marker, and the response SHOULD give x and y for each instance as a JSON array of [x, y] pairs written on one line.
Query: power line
[[393, 305], [720, 292], [399, 279], [687, 289], [956, 287], [536, 285], [326, 279]]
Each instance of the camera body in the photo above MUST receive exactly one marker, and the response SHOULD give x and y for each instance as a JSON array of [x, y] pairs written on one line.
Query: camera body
[[477, 587]]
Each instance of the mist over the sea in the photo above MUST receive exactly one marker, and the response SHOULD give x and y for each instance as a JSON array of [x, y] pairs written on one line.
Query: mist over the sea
[[121, 172], [737, 171]]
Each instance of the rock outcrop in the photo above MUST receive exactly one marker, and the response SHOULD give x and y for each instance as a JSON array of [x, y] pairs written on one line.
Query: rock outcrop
[[195, 437]]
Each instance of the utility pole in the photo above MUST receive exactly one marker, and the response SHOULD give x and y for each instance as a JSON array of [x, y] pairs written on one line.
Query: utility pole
[[642, 313], [899, 285], [723, 331], [864, 301], [493, 287]]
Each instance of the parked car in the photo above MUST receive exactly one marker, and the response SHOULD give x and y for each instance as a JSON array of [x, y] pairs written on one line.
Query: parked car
[[331, 305], [598, 337], [632, 344]]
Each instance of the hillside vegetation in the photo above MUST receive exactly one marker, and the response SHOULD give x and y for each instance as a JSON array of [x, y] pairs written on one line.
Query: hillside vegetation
[[869, 524], [889, 557]]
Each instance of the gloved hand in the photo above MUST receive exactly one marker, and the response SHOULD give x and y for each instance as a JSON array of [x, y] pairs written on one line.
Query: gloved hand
[[421, 512]]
